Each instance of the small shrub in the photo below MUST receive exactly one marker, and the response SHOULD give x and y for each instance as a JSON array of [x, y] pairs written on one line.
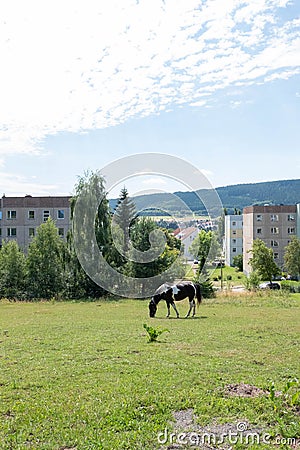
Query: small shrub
[[252, 282], [207, 289], [153, 333]]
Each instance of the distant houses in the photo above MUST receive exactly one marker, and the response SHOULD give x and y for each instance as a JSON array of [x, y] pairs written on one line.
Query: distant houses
[[187, 236]]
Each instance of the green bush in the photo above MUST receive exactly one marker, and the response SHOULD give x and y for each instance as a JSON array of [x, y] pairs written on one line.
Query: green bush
[[291, 286], [207, 289]]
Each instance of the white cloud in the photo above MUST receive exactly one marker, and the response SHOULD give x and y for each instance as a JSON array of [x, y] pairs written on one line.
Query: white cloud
[[74, 66]]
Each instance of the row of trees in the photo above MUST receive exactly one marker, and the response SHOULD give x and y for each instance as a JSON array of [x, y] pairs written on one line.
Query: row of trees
[[51, 267]]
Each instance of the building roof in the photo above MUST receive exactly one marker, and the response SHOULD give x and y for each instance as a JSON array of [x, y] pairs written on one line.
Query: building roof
[[186, 232], [270, 209], [35, 202]]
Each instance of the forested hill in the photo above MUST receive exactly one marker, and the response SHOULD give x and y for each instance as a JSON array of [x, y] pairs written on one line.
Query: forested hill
[[286, 192]]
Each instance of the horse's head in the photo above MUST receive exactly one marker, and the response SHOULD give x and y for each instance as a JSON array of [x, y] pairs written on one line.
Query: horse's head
[[152, 308]]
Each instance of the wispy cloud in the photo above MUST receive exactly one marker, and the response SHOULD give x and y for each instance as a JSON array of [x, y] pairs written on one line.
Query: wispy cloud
[[17, 184], [74, 66]]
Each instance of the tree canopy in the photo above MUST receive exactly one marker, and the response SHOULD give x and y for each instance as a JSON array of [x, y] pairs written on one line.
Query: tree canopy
[[292, 257], [205, 246], [262, 261], [45, 262]]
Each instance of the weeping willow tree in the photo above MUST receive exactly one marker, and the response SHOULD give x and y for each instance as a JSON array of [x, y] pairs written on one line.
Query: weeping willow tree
[[92, 227]]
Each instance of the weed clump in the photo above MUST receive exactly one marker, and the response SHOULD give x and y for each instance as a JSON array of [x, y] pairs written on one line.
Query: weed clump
[[153, 333]]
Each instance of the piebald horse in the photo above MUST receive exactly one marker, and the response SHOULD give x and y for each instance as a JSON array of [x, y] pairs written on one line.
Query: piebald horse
[[172, 293]]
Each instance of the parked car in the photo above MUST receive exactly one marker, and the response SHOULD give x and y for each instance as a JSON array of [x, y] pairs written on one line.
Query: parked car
[[269, 285]]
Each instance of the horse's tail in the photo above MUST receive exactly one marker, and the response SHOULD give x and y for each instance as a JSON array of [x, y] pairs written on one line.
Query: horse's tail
[[198, 293]]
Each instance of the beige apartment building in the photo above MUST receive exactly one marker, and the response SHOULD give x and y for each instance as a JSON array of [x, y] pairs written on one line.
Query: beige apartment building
[[274, 225], [21, 216]]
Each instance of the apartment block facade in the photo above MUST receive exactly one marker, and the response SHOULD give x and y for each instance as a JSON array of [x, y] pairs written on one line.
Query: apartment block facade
[[233, 243], [274, 225], [21, 216]]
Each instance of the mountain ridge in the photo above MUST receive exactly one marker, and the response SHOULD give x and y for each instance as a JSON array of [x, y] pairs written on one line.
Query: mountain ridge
[[233, 197]]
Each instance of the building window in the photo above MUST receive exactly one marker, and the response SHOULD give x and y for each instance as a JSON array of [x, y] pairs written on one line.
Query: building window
[[291, 217], [46, 215], [274, 217], [276, 255], [31, 232], [234, 241], [61, 214], [0, 215], [11, 215], [274, 243], [258, 217], [61, 232], [274, 230], [11, 232], [291, 230], [234, 250], [234, 232], [31, 215], [258, 231], [234, 224]]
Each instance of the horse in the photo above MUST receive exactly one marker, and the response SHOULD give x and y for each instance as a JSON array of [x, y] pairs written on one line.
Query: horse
[[171, 293]]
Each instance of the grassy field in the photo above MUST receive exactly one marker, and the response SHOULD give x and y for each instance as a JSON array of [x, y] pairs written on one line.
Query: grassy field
[[230, 277], [83, 375]]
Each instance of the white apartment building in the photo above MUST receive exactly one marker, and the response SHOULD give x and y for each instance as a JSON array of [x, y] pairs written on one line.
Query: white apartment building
[[233, 241]]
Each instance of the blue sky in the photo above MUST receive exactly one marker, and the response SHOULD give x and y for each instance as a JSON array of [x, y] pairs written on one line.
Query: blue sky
[[85, 83]]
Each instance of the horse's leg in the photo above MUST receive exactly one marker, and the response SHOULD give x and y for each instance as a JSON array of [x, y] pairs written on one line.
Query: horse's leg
[[192, 306], [168, 306], [174, 306]]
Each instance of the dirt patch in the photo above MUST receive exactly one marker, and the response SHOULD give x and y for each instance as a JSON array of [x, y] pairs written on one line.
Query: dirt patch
[[244, 390], [188, 434]]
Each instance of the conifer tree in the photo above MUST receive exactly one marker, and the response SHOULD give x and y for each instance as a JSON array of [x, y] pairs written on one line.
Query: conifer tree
[[124, 217]]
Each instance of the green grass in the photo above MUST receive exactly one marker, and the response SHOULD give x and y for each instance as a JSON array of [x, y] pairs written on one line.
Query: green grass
[[84, 376], [231, 277]]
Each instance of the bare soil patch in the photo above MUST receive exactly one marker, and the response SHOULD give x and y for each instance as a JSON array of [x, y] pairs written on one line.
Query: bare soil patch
[[244, 390], [188, 434]]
